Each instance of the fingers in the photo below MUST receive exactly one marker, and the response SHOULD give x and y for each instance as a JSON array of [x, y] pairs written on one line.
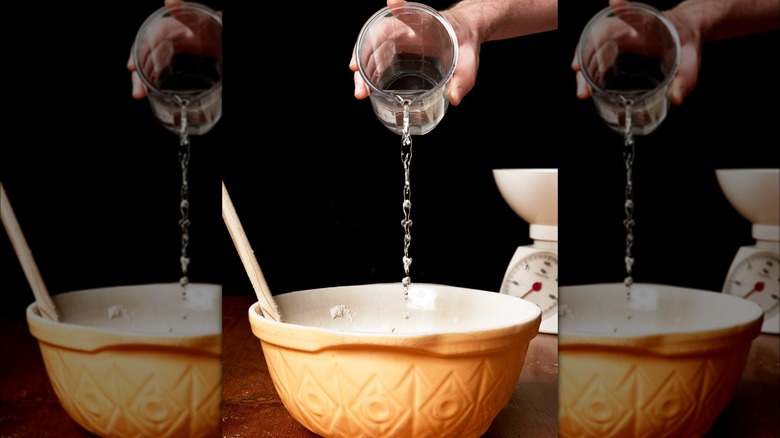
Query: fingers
[[380, 45], [361, 89], [159, 42], [139, 90], [616, 3], [465, 76], [598, 51], [353, 61], [583, 89], [677, 91], [687, 75], [575, 63], [130, 63], [189, 31]]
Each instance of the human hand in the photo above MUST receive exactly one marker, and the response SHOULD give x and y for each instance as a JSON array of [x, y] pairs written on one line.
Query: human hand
[[602, 53], [173, 33], [691, 42], [469, 44], [139, 90], [361, 89], [464, 76]]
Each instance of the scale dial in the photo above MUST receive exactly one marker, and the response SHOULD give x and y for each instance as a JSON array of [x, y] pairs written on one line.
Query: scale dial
[[757, 278], [534, 277]]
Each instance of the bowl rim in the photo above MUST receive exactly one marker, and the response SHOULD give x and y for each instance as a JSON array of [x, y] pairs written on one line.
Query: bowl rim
[[309, 338], [689, 342], [742, 170], [524, 170], [92, 339]]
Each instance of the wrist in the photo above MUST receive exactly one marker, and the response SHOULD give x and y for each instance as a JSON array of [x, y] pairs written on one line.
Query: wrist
[[470, 22]]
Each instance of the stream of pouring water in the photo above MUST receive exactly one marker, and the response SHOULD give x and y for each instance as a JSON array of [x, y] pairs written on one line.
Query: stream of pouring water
[[184, 203], [628, 222], [406, 223]]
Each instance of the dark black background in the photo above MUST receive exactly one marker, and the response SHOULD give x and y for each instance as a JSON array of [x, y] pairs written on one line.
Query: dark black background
[[317, 180], [93, 178]]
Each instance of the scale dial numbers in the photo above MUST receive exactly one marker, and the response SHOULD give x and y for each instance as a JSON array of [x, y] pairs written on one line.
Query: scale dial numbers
[[757, 278], [534, 278]]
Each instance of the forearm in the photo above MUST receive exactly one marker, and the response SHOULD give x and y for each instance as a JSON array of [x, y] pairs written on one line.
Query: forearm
[[501, 19], [720, 19]]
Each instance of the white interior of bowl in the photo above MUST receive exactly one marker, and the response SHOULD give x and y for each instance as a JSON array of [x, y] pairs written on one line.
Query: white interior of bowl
[[754, 193], [382, 309], [652, 309], [158, 309], [531, 193]]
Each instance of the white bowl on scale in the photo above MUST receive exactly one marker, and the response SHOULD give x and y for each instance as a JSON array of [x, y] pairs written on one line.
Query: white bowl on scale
[[754, 273], [532, 273]]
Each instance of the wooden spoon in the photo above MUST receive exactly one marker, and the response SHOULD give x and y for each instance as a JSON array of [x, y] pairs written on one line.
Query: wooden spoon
[[267, 304], [42, 298]]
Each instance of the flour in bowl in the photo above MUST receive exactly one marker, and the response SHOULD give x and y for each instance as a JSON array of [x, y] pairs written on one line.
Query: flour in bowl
[[117, 311], [341, 311]]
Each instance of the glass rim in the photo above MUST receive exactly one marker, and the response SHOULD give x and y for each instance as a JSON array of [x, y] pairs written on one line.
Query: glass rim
[[635, 6], [408, 6], [156, 15]]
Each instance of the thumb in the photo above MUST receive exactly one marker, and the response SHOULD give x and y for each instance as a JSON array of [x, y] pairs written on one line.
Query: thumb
[[465, 76], [687, 75]]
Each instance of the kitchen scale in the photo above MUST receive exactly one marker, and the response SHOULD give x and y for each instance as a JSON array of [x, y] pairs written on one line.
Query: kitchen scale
[[755, 271], [532, 273]]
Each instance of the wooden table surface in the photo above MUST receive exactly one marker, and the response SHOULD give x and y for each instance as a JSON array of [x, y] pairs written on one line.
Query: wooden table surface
[[251, 407]]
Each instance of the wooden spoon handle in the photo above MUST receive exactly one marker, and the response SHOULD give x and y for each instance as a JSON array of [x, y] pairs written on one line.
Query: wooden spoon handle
[[45, 303], [267, 304]]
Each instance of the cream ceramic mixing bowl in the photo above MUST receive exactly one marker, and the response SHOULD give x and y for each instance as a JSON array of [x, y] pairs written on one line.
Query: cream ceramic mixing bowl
[[662, 362], [136, 361], [360, 361]]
